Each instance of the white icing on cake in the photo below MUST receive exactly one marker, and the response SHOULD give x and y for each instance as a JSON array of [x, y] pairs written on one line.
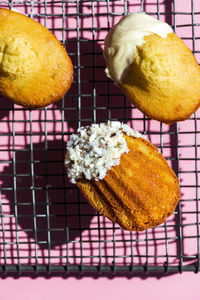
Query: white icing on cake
[[122, 40], [94, 149]]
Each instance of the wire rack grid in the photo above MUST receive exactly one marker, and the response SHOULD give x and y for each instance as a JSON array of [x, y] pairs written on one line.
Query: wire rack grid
[[45, 223]]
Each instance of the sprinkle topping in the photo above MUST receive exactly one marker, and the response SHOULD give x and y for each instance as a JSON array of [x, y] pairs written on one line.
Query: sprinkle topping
[[94, 149]]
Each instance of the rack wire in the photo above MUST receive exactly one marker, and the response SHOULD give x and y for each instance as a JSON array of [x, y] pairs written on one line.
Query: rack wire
[[45, 223]]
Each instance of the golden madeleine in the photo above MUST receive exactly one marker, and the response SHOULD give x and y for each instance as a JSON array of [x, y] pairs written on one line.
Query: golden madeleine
[[153, 67], [140, 193], [164, 79], [122, 175], [35, 69]]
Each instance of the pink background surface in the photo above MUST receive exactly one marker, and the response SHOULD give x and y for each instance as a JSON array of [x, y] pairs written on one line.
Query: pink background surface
[[177, 286]]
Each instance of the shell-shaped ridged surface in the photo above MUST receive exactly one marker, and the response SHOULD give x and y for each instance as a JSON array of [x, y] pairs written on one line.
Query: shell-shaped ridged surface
[[139, 193]]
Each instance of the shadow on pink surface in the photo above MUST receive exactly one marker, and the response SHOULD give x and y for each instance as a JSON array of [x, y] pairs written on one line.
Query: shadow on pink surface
[[6, 106], [109, 275], [46, 211]]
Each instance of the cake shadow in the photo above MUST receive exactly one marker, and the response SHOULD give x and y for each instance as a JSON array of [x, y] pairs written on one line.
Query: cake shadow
[[93, 99], [6, 106], [43, 203]]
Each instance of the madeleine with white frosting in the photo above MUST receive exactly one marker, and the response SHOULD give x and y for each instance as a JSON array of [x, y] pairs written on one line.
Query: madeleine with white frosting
[[122, 175], [153, 67]]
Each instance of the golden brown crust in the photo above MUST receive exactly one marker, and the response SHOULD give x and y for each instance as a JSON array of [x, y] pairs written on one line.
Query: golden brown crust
[[138, 194], [35, 69], [164, 79]]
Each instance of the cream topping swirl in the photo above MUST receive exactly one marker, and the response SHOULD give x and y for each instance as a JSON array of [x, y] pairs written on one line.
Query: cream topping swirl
[[122, 40]]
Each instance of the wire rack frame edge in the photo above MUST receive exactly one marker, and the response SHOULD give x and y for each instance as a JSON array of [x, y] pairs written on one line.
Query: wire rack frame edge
[[46, 227]]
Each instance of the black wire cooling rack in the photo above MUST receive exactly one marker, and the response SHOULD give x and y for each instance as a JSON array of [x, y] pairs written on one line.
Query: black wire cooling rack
[[45, 223]]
